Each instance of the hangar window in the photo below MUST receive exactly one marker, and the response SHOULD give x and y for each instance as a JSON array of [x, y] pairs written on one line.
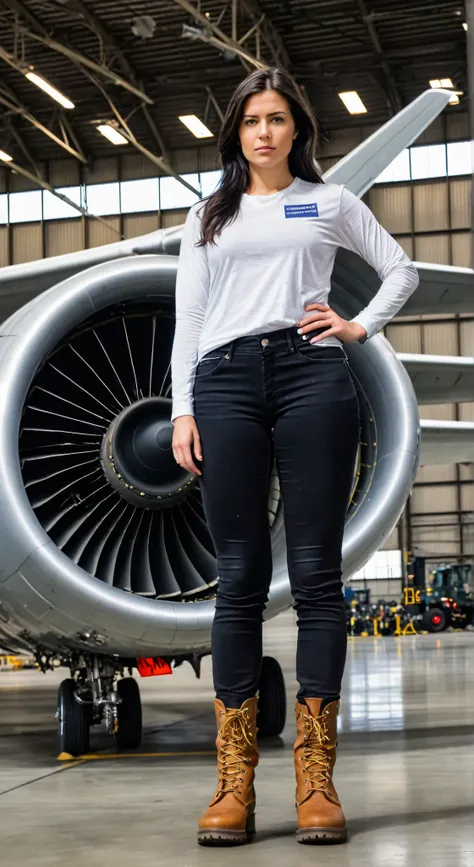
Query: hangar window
[[3, 208], [398, 170], [174, 195], [26, 207], [140, 195], [460, 158], [209, 182], [428, 161], [103, 198], [56, 209]]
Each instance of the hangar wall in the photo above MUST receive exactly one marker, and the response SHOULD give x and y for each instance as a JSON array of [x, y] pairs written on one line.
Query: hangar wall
[[430, 218]]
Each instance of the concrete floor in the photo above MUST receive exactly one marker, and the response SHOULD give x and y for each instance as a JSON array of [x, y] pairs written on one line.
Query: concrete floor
[[405, 769]]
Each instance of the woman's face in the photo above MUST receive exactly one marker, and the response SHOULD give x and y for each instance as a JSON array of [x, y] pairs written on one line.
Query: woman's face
[[266, 121]]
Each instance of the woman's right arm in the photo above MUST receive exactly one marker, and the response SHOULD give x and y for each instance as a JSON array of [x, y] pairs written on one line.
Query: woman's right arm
[[192, 292]]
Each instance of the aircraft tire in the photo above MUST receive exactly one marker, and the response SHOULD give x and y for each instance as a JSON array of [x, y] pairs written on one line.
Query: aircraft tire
[[129, 715], [271, 717], [73, 720]]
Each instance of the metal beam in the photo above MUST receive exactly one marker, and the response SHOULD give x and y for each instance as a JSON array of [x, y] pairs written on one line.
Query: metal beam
[[127, 133], [470, 93], [261, 27], [21, 144], [270, 34], [77, 9], [11, 102], [217, 108], [35, 30], [205, 36], [390, 89], [45, 186]]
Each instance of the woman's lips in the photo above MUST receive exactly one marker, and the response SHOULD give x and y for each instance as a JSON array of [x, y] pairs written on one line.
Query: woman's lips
[[265, 149]]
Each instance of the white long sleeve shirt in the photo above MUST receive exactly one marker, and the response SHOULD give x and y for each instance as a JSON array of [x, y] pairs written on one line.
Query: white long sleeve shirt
[[275, 258]]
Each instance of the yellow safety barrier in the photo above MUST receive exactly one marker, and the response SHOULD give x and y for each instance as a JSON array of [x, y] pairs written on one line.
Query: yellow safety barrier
[[409, 629]]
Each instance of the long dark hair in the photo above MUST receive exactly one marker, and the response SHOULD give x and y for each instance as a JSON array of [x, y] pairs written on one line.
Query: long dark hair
[[222, 207]]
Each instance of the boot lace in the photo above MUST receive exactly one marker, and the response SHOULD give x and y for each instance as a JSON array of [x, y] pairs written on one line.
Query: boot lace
[[315, 752], [235, 734]]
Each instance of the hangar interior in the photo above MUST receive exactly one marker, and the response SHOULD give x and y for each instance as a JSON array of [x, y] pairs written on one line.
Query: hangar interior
[[138, 68]]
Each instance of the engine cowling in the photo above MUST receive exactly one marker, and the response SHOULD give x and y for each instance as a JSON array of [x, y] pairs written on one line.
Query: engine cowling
[[107, 544]]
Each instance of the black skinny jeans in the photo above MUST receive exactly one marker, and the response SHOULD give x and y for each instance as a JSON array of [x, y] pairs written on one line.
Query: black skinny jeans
[[259, 398]]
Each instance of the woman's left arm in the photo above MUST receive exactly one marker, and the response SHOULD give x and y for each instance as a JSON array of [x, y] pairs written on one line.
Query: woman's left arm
[[361, 232]]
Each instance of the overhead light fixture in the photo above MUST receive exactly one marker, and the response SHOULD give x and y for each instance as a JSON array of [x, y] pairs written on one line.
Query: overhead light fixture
[[112, 134], [441, 82], [464, 24], [454, 98], [353, 102], [49, 89], [196, 126], [5, 157]]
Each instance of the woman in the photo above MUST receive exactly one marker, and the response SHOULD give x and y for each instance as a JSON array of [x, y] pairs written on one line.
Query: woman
[[259, 372]]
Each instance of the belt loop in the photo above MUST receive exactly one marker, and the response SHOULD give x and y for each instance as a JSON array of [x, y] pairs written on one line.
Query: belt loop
[[289, 340], [231, 349]]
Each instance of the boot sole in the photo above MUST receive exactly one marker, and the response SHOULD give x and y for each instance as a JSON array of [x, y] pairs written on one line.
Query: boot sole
[[317, 836], [226, 836]]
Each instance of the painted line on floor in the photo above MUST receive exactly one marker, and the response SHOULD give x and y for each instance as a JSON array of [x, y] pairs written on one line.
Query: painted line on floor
[[89, 757]]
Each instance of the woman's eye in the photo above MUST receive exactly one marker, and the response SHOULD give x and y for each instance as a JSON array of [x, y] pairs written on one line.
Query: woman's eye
[[247, 122]]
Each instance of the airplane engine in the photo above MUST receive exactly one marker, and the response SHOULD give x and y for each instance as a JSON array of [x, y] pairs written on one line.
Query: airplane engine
[[105, 544]]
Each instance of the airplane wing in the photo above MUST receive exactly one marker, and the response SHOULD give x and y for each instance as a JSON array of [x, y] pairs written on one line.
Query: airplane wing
[[440, 378], [362, 166], [446, 442], [442, 289]]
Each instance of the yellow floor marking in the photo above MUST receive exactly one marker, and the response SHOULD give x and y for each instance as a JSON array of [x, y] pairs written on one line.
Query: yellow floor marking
[[87, 757]]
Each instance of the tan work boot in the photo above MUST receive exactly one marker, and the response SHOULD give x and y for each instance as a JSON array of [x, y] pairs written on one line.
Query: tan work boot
[[320, 816], [230, 817]]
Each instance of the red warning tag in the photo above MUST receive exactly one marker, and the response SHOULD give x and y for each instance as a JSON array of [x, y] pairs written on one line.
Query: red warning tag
[[151, 666]]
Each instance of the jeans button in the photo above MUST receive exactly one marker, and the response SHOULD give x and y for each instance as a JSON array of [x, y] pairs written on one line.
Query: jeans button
[[265, 341]]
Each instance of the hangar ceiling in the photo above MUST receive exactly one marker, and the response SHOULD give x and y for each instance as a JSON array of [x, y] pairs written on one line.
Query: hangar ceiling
[[147, 63]]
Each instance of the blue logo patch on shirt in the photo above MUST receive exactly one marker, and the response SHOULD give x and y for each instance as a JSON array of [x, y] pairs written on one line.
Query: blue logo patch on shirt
[[306, 210]]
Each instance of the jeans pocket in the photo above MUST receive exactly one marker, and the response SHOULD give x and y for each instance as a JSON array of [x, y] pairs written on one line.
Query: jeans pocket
[[313, 353], [211, 363]]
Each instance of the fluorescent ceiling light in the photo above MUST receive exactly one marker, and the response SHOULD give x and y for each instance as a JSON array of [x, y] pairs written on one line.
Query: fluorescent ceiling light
[[353, 102], [196, 126], [49, 89], [464, 24], [112, 134], [5, 157], [441, 82], [453, 99]]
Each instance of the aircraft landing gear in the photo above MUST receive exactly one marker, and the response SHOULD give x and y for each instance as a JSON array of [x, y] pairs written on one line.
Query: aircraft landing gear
[[93, 695]]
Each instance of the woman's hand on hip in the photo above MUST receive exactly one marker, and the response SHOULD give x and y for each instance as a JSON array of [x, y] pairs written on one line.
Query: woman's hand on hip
[[322, 317], [185, 437]]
